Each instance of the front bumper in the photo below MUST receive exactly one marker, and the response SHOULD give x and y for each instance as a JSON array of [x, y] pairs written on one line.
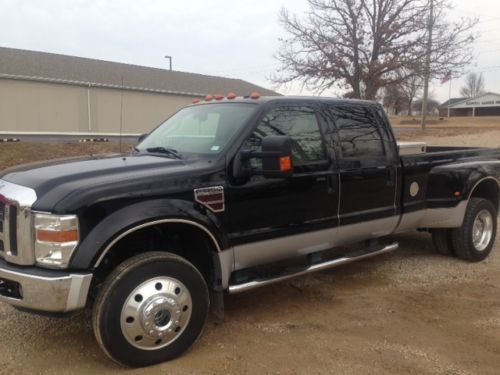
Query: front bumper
[[43, 290]]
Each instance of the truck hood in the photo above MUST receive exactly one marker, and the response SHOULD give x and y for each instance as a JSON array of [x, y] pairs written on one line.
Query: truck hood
[[65, 185]]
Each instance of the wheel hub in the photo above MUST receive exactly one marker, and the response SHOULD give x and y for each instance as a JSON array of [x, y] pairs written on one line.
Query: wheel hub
[[159, 315], [156, 313], [482, 230]]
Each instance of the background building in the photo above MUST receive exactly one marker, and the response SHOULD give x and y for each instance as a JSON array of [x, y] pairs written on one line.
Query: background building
[[487, 104], [45, 93]]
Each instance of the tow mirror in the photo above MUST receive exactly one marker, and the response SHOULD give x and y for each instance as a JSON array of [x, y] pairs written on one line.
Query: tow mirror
[[142, 137], [276, 157]]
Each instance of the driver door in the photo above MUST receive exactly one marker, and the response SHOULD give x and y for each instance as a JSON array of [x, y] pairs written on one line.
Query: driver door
[[275, 209]]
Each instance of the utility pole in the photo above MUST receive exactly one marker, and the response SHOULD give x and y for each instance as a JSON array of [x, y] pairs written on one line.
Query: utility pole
[[170, 61], [427, 68]]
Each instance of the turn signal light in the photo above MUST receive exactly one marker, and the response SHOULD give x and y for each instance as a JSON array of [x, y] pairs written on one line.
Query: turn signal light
[[285, 163], [231, 96], [57, 236], [208, 98]]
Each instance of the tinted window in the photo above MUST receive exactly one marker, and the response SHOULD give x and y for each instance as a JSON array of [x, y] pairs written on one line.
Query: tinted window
[[300, 124], [359, 132]]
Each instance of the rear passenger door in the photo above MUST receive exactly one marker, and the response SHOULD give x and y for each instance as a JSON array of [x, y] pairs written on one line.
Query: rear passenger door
[[368, 167]]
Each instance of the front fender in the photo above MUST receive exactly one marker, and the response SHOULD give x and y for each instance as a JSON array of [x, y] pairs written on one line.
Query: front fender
[[120, 221]]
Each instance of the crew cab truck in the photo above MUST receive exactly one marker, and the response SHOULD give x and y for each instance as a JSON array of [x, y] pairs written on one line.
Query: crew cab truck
[[227, 195]]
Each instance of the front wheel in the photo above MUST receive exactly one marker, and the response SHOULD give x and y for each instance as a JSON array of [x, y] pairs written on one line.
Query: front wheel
[[150, 309], [474, 240]]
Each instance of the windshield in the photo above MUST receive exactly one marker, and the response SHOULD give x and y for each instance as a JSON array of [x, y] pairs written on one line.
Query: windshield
[[202, 129]]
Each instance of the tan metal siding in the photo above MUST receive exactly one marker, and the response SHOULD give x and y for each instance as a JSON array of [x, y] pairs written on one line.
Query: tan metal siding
[[47, 107]]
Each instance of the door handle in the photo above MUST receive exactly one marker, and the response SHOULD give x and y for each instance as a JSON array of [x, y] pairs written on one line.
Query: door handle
[[391, 173], [332, 184]]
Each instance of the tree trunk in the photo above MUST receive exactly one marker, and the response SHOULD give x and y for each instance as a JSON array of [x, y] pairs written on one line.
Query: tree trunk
[[410, 104]]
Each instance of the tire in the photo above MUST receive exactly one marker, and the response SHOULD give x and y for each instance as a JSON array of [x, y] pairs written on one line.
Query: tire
[[474, 243], [150, 309], [441, 238]]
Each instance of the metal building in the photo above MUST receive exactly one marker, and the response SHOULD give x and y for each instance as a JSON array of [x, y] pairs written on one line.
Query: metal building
[[50, 93], [487, 104]]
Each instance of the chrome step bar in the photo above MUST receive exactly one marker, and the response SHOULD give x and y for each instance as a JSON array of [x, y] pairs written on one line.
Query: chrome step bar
[[238, 288]]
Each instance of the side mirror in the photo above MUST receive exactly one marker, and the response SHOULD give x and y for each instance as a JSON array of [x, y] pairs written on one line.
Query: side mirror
[[142, 137], [276, 157]]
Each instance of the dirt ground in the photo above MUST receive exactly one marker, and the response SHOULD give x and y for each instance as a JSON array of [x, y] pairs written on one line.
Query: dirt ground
[[411, 311]]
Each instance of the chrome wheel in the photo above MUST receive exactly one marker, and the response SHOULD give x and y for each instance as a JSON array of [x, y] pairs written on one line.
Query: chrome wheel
[[156, 313], [482, 230]]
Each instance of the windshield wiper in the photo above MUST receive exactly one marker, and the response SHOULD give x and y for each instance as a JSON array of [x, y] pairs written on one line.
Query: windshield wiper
[[164, 150]]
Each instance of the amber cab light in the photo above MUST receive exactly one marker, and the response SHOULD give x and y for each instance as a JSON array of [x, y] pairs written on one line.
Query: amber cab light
[[196, 101], [219, 97], [208, 98], [231, 96], [255, 95], [285, 163]]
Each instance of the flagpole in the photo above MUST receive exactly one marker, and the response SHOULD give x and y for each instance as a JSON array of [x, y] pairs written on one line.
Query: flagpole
[[449, 98]]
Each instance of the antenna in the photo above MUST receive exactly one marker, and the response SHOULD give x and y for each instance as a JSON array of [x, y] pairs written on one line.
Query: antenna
[[121, 115]]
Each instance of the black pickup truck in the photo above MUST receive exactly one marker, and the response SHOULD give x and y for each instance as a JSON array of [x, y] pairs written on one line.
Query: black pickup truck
[[227, 195]]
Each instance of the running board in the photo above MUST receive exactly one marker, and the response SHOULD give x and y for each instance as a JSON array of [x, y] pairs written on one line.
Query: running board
[[238, 288]]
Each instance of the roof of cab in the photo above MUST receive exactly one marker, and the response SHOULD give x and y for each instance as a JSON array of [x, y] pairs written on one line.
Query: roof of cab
[[267, 99]]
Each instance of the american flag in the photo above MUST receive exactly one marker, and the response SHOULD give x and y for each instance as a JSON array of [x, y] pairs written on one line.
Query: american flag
[[446, 78]]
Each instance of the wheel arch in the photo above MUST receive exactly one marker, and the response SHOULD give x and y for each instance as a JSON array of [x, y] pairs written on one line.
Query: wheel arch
[[487, 188]]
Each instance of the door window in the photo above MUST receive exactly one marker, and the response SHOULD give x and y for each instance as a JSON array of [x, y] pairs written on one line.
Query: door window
[[300, 124], [360, 136]]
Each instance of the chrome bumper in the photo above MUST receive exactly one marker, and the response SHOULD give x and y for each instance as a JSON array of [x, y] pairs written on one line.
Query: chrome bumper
[[43, 290]]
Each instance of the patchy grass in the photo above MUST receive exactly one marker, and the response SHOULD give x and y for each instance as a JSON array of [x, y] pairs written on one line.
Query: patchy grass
[[12, 154]]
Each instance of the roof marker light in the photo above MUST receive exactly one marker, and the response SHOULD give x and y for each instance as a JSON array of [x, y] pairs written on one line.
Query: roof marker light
[[196, 101], [218, 97], [255, 95], [208, 98], [231, 96]]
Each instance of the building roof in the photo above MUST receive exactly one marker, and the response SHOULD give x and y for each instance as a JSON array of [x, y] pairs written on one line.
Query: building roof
[[487, 99], [451, 101], [42, 66]]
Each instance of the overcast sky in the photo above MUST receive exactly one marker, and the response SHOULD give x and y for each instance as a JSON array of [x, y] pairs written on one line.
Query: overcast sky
[[219, 37]]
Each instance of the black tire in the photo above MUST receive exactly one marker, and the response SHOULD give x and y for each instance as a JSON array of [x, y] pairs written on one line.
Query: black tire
[[441, 238], [462, 238], [116, 292]]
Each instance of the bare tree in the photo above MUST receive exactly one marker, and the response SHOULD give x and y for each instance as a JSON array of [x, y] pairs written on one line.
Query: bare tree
[[411, 87], [474, 85], [432, 106], [361, 45], [394, 99]]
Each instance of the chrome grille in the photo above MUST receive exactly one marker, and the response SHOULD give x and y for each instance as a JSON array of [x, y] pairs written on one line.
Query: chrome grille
[[2, 216], [8, 235], [16, 235]]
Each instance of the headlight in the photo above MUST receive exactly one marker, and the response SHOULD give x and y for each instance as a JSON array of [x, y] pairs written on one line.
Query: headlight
[[56, 237]]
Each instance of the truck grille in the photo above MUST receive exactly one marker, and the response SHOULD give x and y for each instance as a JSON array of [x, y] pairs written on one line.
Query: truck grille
[[8, 229]]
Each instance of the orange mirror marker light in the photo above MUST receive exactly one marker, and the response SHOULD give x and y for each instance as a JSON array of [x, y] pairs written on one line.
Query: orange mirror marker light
[[231, 96], [255, 95], [208, 98], [285, 163], [56, 235]]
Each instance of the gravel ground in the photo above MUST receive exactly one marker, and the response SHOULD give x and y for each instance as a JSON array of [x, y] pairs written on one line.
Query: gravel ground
[[411, 311]]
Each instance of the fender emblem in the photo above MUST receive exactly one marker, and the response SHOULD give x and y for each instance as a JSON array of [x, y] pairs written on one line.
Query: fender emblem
[[211, 197]]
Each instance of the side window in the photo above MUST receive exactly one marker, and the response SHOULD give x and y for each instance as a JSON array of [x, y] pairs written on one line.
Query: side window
[[359, 132], [300, 124]]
